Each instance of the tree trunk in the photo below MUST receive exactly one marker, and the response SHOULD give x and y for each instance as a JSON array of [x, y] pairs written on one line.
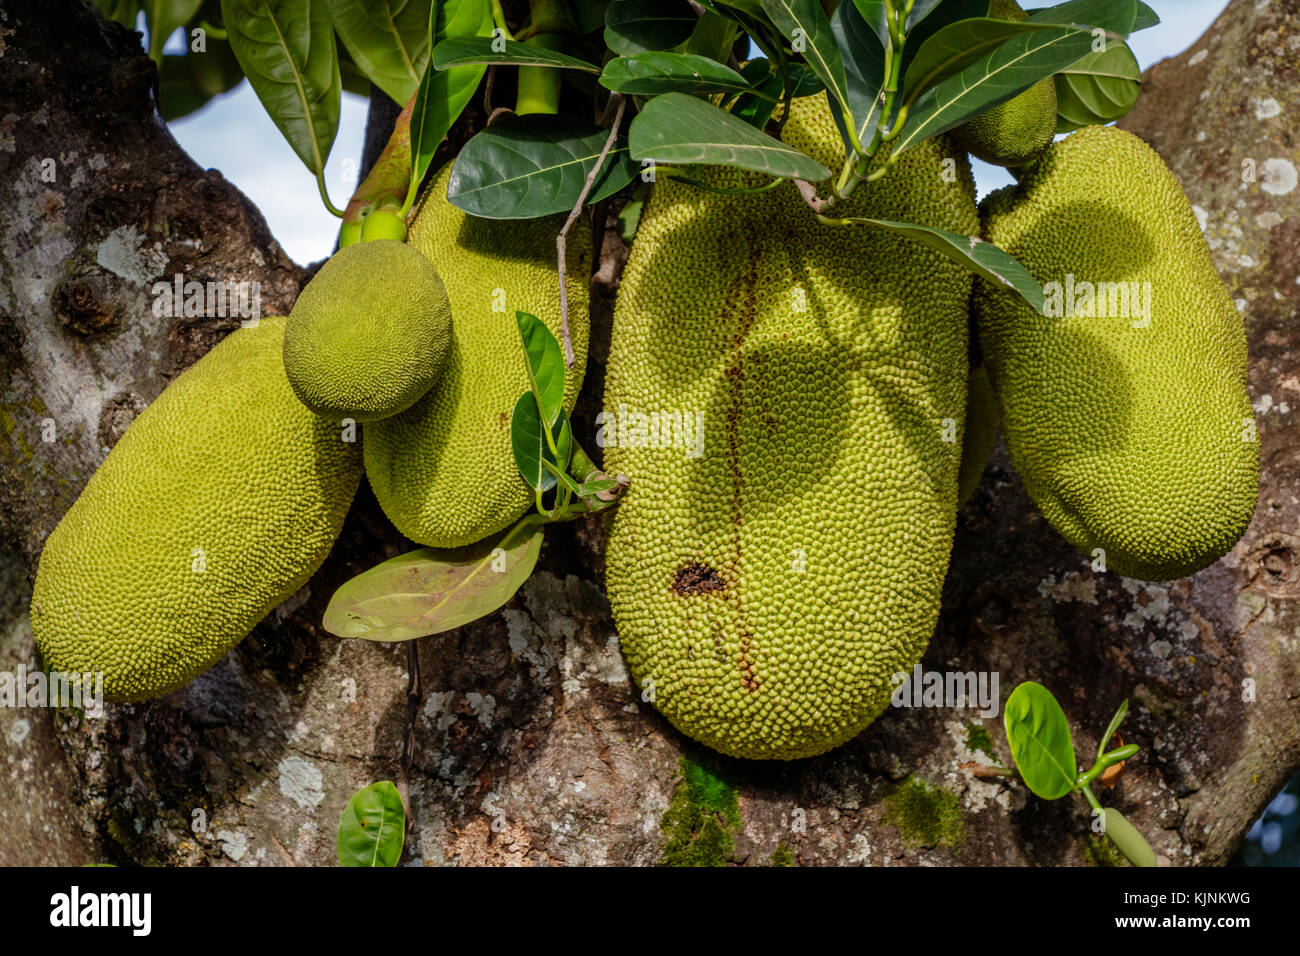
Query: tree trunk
[[530, 744]]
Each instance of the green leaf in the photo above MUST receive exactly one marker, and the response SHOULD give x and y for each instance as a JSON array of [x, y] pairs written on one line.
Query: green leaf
[[536, 165], [757, 110], [920, 10], [864, 66], [645, 74], [163, 17], [676, 128], [1117, 16], [590, 488], [1115, 721], [1016, 65], [488, 51], [372, 827], [286, 49], [1128, 839], [529, 445], [634, 26], [1097, 89], [187, 82], [433, 590], [1039, 736], [804, 24], [972, 253], [443, 93], [387, 39], [956, 47], [545, 363], [1146, 17]]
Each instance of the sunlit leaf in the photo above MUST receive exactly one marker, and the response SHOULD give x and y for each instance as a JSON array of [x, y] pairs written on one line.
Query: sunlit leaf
[[286, 49], [387, 39], [1039, 736], [675, 128], [459, 51], [433, 590], [372, 827]]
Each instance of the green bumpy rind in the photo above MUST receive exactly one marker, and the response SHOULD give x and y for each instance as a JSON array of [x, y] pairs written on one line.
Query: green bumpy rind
[[218, 503], [769, 588], [1133, 437], [444, 470], [1014, 132], [370, 333]]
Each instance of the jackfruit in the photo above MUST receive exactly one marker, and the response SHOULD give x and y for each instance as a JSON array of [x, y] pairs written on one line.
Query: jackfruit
[[1013, 132], [776, 393], [370, 332], [982, 419], [1125, 409], [443, 470], [218, 502]]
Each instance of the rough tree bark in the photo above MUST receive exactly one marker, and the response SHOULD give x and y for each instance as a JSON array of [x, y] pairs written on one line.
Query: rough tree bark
[[531, 746]]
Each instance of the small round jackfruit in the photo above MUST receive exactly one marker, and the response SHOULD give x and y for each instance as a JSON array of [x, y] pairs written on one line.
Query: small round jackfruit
[[383, 224], [370, 334], [1014, 132], [443, 470]]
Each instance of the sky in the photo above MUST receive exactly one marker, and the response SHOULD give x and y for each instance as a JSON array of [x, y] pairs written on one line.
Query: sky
[[233, 134]]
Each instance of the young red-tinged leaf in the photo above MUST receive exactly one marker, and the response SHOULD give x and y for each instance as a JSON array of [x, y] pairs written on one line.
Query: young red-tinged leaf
[[435, 589]]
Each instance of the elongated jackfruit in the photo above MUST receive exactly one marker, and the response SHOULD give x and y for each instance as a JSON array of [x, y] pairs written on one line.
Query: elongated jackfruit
[[778, 393], [369, 334], [443, 470], [1125, 408], [1014, 132], [218, 502]]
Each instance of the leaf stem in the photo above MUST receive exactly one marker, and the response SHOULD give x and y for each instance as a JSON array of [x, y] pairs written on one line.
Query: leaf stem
[[561, 239], [324, 194]]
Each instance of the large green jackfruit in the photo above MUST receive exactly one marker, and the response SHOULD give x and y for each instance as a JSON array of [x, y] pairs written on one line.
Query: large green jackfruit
[[774, 562], [220, 501], [1132, 432], [369, 334], [443, 470], [1014, 132]]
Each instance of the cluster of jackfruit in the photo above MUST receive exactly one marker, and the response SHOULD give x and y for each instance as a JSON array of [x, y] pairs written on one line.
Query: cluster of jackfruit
[[227, 492], [801, 421], [767, 591]]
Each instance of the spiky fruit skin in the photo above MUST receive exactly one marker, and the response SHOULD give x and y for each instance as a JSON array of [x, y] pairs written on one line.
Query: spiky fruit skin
[[443, 470], [218, 503], [369, 334], [982, 418], [769, 588], [1012, 133], [1135, 439]]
